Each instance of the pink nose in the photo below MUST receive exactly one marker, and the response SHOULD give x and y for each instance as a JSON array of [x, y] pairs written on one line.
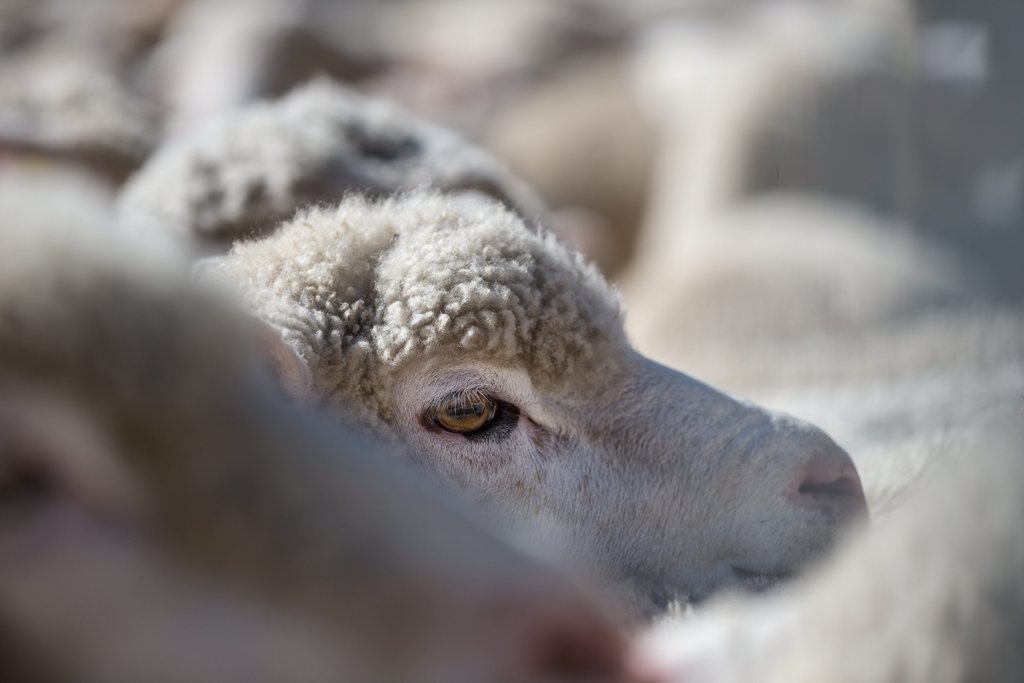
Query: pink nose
[[829, 482]]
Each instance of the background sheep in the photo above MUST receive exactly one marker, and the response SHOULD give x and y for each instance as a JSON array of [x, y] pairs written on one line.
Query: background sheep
[[881, 327], [498, 355], [240, 175], [163, 511], [63, 108], [219, 54]]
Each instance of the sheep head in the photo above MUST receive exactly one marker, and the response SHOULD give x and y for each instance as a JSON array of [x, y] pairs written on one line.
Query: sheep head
[[497, 354]]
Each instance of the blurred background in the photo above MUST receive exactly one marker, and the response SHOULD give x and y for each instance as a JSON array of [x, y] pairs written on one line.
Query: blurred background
[[818, 204]]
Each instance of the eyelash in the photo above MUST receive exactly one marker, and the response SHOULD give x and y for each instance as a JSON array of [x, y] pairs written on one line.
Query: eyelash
[[501, 426]]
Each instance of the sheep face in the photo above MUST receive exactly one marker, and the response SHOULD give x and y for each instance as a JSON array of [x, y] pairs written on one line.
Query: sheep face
[[499, 356], [669, 488], [153, 483]]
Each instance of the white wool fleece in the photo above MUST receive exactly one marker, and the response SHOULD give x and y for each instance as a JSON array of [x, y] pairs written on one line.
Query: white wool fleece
[[362, 288], [240, 174]]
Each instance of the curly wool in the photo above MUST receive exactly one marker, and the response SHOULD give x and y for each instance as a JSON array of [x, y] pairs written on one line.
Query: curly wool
[[361, 289], [243, 173]]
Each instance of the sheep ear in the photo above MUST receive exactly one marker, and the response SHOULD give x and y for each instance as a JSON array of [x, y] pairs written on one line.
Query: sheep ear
[[291, 370]]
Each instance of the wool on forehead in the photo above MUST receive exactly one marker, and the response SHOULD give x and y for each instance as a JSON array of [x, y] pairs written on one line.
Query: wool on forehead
[[365, 287]]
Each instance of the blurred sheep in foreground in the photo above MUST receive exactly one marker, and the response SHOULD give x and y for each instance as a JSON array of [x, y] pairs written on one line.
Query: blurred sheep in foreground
[[165, 515]]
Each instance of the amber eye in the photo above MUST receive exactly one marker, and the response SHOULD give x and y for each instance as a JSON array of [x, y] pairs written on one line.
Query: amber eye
[[465, 413]]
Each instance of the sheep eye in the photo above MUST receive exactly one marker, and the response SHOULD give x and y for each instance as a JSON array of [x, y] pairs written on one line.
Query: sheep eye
[[465, 413]]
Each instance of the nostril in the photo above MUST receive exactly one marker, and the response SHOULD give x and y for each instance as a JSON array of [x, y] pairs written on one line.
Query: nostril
[[830, 483], [843, 486]]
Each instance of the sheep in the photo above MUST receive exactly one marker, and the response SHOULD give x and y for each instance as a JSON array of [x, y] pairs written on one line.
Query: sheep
[[244, 172], [111, 29], [933, 594], [165, 515], [219, 54], [497, 354], [583, 150], [69, 108], [362, 346]]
